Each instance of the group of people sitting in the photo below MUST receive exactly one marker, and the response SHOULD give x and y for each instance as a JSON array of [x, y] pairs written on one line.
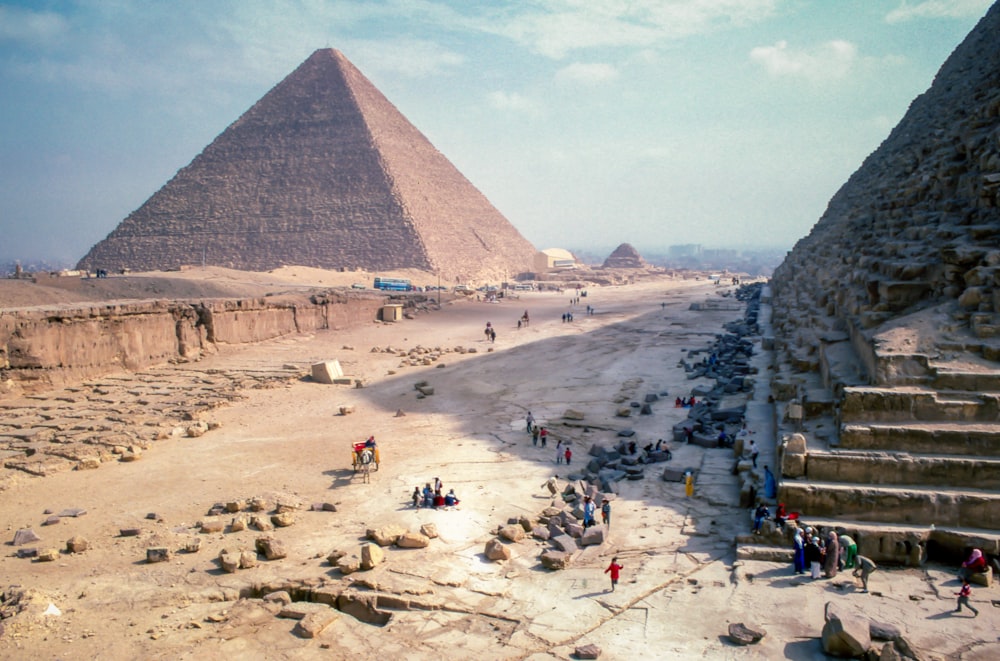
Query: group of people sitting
[[432, 497], [684, 402]]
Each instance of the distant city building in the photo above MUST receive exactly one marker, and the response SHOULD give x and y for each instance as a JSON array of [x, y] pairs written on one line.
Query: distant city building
[[685, 250]]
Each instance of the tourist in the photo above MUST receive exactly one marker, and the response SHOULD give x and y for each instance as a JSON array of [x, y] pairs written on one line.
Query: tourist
[[416, 498], [534, 434], [438, 499], [437, 484], [589, 508], [770, 486], [543, 435], [975, 564], [813, 555], [530, 421], [780, 516], [848, 551], [614, 569], [551, 485], [864, 570], [606, 512], [568, 455], [689, 484], [963, 598], [688, 434], [754, 451], [832, 561], [559, 452], [493, 335], [759, 515], [428, 495], [678, 403], [799, 559], [451, 500], [692, 401], [684, 402]]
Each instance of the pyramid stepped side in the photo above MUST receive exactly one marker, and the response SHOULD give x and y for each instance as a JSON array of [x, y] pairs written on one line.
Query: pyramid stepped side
[[462, 232], [300, 179], [887, 328]]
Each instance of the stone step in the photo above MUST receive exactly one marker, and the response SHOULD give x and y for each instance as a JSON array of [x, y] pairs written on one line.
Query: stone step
[[911, 543], [917, 404], [957, 438], [967, 507], [903, 468], [979, 381]]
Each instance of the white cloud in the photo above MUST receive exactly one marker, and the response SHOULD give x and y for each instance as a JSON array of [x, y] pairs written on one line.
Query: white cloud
[[937, 9], [555, 28], [592, 73], [414, 58], [828, 61], [17, 24], [512, 101]]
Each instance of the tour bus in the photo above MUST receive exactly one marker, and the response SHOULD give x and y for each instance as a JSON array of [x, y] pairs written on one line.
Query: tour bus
[[393, 284]]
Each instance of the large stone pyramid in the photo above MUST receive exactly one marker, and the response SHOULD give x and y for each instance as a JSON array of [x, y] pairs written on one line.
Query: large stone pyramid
[[323, 171]]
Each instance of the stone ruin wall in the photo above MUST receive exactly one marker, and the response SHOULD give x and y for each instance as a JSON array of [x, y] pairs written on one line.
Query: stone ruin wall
[[45, 349]]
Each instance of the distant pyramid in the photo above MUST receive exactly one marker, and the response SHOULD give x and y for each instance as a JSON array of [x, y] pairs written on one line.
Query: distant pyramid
[[624, 257], [323, 171]]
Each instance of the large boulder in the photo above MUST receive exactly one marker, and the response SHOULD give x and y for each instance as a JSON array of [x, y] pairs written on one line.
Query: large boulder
[[271, 547], [327, 371], [495, 550], [371, 555], [590, 651], [512, 533], [556, 559], [564, 543], [412, 540], [845, 635], [592, 536], [386, 535]]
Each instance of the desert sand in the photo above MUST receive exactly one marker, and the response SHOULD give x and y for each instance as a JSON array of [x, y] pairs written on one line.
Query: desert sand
[[681, 583]]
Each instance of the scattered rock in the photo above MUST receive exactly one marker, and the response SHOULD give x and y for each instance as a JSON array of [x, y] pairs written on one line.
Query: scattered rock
[[157, 554], [556, 559], [283, 519], [271, 547], [512, 533], [589, 651], [25, 536], [430, 530], [412, 540], [48, 555], [229, 561], [212, 525], [845, 635], [495, 550], [741, 634], [386, 535], [77, 544], [372, 555], [129, 532], [314, 623]]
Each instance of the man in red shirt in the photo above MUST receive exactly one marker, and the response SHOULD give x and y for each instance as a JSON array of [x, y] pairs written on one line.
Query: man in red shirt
[[614, 568]]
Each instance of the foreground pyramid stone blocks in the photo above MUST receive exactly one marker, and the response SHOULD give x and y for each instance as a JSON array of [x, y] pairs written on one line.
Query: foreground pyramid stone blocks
[[323, 171], [887, 316]]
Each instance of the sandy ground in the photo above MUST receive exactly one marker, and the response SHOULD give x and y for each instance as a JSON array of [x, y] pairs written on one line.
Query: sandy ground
[[680, 587]]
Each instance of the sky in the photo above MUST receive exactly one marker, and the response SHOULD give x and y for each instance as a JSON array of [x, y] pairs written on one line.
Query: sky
[[587, 123]]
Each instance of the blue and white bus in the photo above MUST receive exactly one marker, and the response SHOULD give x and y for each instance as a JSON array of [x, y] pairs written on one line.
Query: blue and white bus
[[393, 284]]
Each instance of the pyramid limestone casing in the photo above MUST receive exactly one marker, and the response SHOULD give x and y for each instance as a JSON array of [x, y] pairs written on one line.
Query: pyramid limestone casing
[[322, 171]]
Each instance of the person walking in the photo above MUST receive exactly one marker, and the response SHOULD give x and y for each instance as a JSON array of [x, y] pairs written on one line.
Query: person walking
[[963, 598], [864, 570], [614, 569], [559, 452], [568, 455], [754, 452], [534, 434], [589, 509], [543, 435], [530, 421], [689, 484], [606, 512]]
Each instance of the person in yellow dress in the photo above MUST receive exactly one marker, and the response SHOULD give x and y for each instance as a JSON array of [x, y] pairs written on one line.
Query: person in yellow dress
[[689, 484]]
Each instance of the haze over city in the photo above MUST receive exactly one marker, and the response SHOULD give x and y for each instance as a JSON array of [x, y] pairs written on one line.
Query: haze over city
[[728, 123]]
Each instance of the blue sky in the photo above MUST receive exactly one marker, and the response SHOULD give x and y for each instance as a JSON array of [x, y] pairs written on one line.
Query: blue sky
[[588, 123]]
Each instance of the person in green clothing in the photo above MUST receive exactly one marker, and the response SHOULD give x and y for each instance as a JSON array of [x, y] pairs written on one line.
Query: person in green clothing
[[849, 551]]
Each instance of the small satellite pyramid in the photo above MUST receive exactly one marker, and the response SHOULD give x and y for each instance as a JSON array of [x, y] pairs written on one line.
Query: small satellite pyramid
[[322, 171], [624, 257]]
